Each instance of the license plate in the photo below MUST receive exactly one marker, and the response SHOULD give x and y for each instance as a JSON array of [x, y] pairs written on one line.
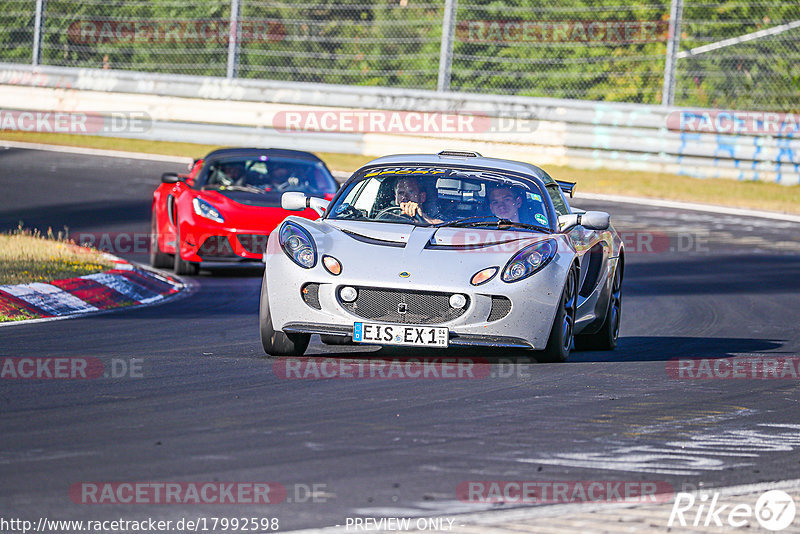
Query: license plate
[[400, 334]]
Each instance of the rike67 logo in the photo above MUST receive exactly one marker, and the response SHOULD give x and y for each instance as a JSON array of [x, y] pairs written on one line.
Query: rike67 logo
[[774, 510]]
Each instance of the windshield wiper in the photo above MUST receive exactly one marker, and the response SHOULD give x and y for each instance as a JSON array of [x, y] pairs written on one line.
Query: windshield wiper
[[248, 188], [468, 221], [489, 220]]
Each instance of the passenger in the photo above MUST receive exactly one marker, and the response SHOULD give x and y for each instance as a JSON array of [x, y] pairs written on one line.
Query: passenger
[[505, 202]]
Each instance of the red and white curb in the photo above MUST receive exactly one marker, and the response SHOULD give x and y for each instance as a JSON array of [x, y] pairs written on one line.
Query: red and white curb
[[125, 285]]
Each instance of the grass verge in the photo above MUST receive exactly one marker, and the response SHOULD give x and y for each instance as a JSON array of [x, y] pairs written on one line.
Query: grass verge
[[27, 257], [752, 195]]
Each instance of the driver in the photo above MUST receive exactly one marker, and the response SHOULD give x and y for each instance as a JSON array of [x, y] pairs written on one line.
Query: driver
[[284, 176], [233, 171], [409, 196]]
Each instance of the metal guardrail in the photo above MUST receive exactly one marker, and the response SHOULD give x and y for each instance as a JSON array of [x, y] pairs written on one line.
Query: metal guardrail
[[545, 131]]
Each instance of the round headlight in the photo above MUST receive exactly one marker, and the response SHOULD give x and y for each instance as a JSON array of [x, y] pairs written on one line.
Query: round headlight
[[458, 300], [535, 259], [348, 294], [516, 270], [293, 242], [306, 257]]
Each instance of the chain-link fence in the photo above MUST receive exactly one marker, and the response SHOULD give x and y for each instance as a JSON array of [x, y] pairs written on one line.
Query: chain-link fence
[[740, 54]]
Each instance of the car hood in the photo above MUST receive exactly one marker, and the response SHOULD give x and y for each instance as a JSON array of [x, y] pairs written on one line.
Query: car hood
[[251, 211], [403, 235], [263, 200]]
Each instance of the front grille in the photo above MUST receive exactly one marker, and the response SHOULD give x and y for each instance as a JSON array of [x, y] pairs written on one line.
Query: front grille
[[253, 243], [501, 306], [387, 305], [216, 246], [310, 294]]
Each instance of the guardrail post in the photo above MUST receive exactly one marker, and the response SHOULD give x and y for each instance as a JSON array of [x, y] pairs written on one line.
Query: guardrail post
[[673, 43], [38, 24], [446, 51], [233, 40]]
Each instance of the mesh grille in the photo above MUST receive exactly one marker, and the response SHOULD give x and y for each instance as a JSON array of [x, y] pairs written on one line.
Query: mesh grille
[[500, 308], [216, 246], [421, 307], [253, 243], [310, 294]]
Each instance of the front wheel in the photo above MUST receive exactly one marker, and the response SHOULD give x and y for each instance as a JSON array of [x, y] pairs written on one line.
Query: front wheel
[[181, 266], [275, 342], [606, 337], [158, 259], [561, 335]]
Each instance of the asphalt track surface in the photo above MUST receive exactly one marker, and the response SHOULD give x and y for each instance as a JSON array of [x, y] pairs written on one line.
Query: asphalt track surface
[[209, 405]]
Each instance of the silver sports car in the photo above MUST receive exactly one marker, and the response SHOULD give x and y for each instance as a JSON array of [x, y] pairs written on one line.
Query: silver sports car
[[444, 250]]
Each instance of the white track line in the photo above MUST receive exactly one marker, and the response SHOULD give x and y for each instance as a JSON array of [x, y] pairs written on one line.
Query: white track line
[[676, 204], [95, 152]]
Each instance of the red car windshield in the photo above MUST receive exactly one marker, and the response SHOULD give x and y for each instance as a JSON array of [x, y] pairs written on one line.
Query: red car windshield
[[262, 174]]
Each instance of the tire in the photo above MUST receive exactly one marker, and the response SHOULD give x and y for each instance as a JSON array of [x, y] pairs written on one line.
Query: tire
[[275, 342], [179, 265], [158, 259], [606, 337], [562, 334]]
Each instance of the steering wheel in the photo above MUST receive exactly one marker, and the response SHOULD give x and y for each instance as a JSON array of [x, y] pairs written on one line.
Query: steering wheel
[[290, 181], [396, 212]]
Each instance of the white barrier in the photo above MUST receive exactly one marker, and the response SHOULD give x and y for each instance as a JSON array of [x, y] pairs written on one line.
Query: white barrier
[[543, 131]]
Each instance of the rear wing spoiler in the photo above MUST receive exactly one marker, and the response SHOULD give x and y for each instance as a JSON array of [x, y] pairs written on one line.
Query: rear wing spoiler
[[566, 187]]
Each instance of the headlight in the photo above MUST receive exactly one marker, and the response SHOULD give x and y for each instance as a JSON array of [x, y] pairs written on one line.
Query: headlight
[[204, 209], [529, 260], [296, 242]]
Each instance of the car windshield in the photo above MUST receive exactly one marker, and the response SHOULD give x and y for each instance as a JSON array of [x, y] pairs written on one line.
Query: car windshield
[[444, 197], [262, 174]]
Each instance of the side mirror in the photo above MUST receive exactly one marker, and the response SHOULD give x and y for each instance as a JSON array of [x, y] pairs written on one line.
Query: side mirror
[[293, 201], [170, 178], [298, 201], [595, 220], [591, 220]]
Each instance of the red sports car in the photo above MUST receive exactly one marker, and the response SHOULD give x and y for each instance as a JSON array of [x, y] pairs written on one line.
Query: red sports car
[[226, 207]]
